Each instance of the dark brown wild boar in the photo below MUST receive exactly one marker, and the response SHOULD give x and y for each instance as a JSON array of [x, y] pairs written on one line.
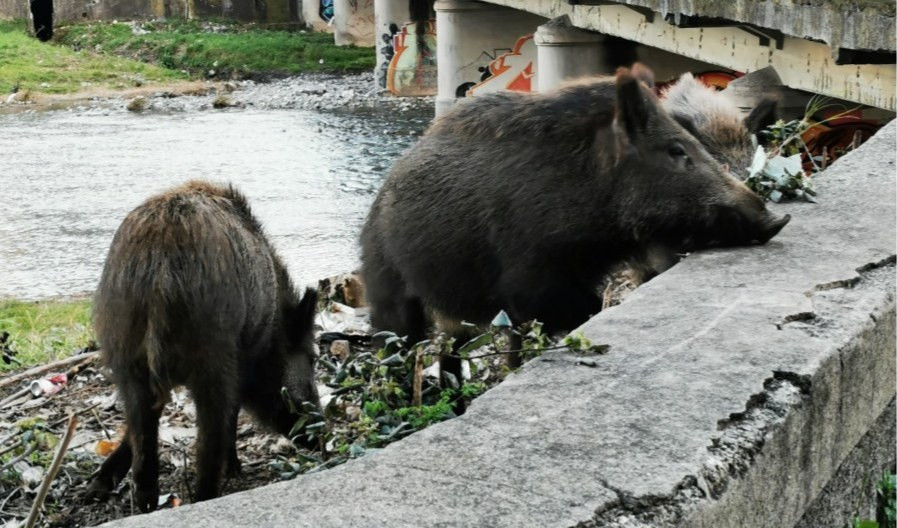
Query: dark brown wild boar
[[193, 294], [523, 202]]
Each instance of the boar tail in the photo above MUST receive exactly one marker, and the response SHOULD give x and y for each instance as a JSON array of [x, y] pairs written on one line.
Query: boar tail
[[155, 356]]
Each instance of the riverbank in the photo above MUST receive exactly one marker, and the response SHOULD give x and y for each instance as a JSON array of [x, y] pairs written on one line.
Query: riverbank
[[85, 59], [42, 331]]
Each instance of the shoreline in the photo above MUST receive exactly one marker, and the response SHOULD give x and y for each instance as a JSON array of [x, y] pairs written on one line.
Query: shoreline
[[306, 91]]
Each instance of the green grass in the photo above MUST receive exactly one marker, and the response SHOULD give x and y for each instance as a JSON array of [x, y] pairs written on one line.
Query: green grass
[[46, 330], [29, 64], [226, 47], [117, 55]]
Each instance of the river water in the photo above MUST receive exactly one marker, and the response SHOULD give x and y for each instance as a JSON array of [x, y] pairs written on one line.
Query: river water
[[69, 177]]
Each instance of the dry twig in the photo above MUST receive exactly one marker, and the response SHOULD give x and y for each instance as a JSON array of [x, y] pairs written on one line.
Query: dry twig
[[84, 359], [51, 474]]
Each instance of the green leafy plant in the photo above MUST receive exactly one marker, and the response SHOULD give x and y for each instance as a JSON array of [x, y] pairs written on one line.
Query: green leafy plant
[[886, 490], [886, 497], [777, 172], [379, 396]]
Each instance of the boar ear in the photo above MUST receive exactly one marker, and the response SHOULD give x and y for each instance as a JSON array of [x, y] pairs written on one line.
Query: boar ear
[[634, 109], [301, 317], [688, 124], [643, 74], [766, 113]]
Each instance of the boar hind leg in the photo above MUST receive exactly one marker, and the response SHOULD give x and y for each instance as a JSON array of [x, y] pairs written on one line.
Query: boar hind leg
[[142, 411], [111, 473], [233, 461], [559, 306], [215, 394], [392, 308]]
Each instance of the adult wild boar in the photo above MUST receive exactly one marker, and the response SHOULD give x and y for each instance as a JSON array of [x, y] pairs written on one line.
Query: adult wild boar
[[193, 294], [523, 202], [727, 135]]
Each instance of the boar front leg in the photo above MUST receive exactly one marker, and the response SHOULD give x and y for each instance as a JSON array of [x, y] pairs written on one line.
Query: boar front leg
[[113, 471], [215, 394]]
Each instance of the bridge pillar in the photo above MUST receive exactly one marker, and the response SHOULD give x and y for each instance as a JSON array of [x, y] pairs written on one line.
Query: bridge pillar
[[473, 38], [353, 22], [566, 52], [406, 48]]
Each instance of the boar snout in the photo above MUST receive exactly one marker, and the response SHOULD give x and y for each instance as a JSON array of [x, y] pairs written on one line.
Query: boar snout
[[772, 227]]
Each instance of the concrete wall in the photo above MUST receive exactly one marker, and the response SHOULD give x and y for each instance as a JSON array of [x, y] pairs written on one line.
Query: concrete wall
[[269, 11], [738, 388]]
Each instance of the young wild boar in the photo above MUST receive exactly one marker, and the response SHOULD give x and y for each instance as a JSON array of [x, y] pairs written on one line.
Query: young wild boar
[[523, 202], [717, 123], [193, 294]]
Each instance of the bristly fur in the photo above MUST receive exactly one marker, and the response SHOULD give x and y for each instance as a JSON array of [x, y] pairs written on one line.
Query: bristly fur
[[193, 294], [717, 122], [523, 202]]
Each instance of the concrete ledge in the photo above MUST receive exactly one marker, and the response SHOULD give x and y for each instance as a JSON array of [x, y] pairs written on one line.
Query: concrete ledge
[[736, 386]]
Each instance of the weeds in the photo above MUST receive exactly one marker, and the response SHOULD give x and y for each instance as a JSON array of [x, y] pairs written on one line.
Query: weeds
[[779, 171], [886, 498], [219, 49], [383, 395]]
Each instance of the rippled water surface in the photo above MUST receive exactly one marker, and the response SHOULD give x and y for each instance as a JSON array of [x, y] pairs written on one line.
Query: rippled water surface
[[68, 178]]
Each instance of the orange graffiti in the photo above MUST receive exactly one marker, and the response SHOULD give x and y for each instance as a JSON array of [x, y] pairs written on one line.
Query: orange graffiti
[[511, 71], [412, 71]]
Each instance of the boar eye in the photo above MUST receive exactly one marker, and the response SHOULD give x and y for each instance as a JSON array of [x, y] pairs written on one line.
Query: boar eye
[[677, 151]]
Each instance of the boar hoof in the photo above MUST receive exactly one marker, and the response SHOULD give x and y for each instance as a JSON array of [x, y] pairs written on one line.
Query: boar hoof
[[233, 465], [98, 490], [147, 498]]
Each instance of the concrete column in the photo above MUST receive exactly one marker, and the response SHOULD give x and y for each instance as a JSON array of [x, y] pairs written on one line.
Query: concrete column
[[311, 14], [566, 52], [389, 17], [353, 22], [471, 36]]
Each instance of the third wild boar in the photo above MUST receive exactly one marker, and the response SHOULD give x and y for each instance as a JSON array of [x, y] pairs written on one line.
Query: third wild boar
[[717, 123], [193, 294], [524, 202]]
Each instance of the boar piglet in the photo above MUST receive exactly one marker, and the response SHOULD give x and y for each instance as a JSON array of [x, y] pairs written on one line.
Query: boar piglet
[[524, 202], [192, 294]]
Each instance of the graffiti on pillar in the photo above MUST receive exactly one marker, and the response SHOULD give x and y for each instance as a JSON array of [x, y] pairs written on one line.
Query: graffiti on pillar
[[388, 52], [325, 10], [412, 62], [514, 71]]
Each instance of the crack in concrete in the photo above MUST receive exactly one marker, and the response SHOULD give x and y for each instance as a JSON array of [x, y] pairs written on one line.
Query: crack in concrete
[[853, 281], [730, 456], [461, 477], [798, 317]]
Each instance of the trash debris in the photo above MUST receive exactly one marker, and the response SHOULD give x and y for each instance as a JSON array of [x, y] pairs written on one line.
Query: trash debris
[[169, 500], [48, 386], [105, 448]]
